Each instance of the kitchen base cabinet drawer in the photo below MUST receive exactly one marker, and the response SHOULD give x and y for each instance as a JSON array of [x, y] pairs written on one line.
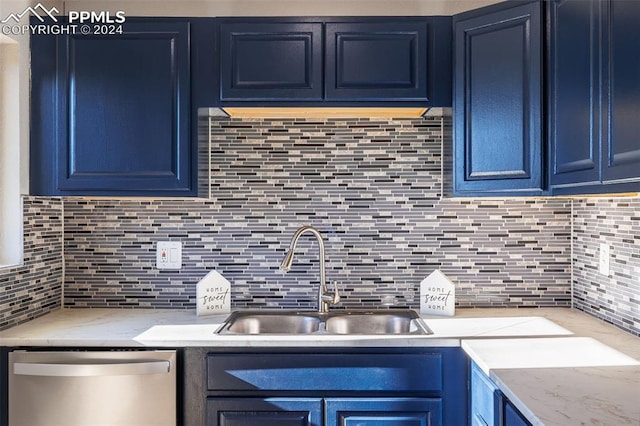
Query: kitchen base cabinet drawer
[[325, 372], [383, 412], [264, 411]]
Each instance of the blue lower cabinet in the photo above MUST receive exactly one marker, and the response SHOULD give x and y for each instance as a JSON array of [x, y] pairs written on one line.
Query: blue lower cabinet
[[368, 387], [512, 416], [489, 407], [383, 412], [485, 399], [337, 412], [264, 411]]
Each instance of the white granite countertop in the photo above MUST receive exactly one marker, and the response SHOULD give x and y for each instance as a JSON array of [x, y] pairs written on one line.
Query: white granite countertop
[[564, 381], [178, 328], [606, 396], [558, 366]]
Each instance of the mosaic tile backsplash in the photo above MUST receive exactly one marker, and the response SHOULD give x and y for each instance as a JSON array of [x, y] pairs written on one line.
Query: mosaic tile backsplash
[[35, 288], [615, 222], [372, 187]]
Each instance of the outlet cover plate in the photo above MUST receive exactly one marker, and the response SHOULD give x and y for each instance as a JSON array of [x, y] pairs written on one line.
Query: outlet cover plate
[[169, 255]]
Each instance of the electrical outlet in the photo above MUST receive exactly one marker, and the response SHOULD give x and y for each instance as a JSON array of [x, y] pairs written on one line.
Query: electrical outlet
[[605, 259], [169, 255]]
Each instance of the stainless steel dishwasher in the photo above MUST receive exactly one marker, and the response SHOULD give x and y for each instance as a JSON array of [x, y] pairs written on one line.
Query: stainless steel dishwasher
[[132, 388]]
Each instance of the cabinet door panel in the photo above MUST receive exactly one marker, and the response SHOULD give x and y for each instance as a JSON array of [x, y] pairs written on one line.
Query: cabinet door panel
[[376, 61], [271, 61], [485, 400], [497, 101], [383, 412], [267, 411], [124, 106], [512, 416], [574, 92], [622, 146]]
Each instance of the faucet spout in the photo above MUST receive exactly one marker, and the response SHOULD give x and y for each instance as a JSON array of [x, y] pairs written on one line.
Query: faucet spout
[[285, 266], [324, 296]]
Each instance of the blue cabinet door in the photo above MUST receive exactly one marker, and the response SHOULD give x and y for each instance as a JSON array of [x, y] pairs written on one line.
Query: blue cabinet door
[[111, 114], [594, 58], [485, 399], [621, 156], [264, 411], [373, 61], [512, 417], [383, 412], [574, 92], [497, 100], [262, 61]]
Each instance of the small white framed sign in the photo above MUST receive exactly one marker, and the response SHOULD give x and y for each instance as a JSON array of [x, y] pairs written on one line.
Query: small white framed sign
[[437, 295], [213, 294]]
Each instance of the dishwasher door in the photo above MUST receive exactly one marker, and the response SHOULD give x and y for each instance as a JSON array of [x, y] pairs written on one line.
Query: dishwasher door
[[132, 388]]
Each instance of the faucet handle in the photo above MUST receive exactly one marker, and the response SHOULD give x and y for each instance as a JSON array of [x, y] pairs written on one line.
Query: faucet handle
[[331, 297], [336, 295]]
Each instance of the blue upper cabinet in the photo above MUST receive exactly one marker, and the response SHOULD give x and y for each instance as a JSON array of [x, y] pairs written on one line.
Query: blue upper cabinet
[[621, 155], [112, 114], [389, 60], [498, 100], [271, 61], [333, 62], [377, 61], [574, 92], [594, 63]]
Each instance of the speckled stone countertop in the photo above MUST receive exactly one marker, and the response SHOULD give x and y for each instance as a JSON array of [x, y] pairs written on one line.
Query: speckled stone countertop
[[589, 378], [177, 328], [558, 366]]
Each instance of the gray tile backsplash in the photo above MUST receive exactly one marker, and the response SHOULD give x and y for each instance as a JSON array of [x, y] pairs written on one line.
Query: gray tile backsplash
[[615, 222], [35, 287], [372, 187]]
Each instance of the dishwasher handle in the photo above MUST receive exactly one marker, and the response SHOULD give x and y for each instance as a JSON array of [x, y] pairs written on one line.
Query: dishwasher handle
[[126, 368]]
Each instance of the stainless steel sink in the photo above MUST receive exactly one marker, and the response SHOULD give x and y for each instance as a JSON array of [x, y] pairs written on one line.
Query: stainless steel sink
[[272, 323], [403, 322], [379, 322]]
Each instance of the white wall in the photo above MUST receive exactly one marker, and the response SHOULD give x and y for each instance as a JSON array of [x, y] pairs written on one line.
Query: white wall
[[14, 129], [10, 204], [14, 136], [280, 7]]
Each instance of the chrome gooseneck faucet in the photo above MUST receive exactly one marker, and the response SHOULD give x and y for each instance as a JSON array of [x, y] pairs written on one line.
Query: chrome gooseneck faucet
[[324, 296]]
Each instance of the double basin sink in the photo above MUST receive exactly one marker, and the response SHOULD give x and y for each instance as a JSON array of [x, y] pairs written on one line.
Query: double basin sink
[[388, 321]]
